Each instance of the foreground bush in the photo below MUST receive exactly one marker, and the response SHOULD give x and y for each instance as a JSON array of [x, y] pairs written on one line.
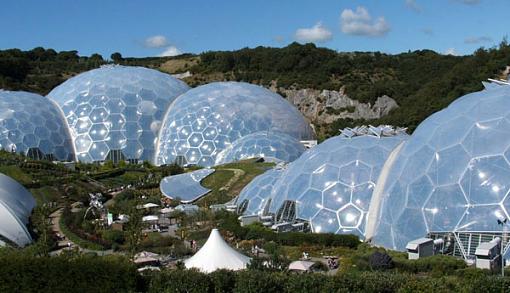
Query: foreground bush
[[252, 281], [23, 273]]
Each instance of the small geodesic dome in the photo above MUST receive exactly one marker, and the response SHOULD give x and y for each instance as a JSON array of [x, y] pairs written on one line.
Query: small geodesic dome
[[254, 197], [271, 146], [33, 125], [331, 185]]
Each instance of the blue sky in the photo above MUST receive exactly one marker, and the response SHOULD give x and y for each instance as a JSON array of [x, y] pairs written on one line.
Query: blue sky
[[150, 28]]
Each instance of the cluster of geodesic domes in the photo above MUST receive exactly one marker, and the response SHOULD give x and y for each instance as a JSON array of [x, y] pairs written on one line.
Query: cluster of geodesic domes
[[139, 114], [451, 175]]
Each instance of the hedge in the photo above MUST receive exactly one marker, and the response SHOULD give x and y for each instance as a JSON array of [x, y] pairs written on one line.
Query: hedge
[[20, 272]]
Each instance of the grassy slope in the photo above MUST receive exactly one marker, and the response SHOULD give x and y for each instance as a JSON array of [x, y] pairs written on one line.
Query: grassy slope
[[218, 179], [46, 194], [16, 173]]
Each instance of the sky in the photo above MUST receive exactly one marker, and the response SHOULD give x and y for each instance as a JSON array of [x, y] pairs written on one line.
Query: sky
[[158, 27]]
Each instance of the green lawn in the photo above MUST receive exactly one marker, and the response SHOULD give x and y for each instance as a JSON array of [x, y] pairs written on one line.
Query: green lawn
[[46, 194], [222, 176]]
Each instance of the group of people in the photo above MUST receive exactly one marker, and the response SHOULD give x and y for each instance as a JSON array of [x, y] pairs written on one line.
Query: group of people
[[332, 263]]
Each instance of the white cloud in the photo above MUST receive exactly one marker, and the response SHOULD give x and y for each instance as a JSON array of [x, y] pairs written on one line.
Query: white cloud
[[360, 23], [156, 42], [318, 33], [170, 51], [411, 4], [477, 40], [451, 51]]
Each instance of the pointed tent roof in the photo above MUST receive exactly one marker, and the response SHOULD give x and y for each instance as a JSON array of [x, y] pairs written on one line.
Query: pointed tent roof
[[217, 254]]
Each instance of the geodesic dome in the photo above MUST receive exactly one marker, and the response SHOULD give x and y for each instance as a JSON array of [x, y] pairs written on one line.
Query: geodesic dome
[[16, 205], [207, 119], [254, 197], [331, 185], [115, 112], [33, 125], [273, 147], [452, 175]]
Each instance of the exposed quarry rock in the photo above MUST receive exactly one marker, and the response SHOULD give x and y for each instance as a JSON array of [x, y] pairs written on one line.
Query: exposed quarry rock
[[326, 106]]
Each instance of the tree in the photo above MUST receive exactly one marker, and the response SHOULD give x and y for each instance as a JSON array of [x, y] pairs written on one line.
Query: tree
[[97, 57], [134, 228], [116, 57]]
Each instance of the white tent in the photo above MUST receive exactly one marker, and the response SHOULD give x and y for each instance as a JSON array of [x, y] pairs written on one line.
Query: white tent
[[301, 265], [217, 254], [150, 218]]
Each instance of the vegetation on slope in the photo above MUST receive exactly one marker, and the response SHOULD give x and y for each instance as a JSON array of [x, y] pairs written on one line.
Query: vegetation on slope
[[422, 82], [228, 180]]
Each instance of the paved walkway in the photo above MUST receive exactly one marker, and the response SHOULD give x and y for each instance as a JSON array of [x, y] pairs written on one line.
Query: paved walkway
[[66, 243], [55, 227]]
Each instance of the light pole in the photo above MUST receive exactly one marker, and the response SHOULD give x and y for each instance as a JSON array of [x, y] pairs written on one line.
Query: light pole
[[503, 223]]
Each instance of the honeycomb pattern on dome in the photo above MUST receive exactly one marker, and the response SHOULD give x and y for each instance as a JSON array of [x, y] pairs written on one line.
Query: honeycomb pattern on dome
[[273, 147], [453, 174], [116, 108], [254, 197], [207, 119], [332, 183], [33, 125]]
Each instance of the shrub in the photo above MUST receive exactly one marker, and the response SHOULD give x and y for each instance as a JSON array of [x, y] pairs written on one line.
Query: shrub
[[380, 261], [188, 281]]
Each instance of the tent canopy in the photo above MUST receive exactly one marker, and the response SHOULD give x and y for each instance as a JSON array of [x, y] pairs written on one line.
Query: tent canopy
[[217, 254], [301, 265]]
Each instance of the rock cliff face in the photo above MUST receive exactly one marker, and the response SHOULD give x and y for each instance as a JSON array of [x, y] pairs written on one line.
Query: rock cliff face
[[324, 107]]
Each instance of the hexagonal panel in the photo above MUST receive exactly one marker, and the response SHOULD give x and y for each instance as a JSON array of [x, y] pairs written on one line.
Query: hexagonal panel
[[486, 180], [324, 176], [350, 216], [355, 173], [324, 222], [445, 208], [98, 132], [336, 196]]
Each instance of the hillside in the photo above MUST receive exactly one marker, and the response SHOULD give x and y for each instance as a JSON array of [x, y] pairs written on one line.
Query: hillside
[[332, 89]]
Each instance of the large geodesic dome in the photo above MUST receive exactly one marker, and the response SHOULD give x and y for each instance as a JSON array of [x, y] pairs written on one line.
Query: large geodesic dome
[[207, 119], [271, 146], [16, 205], [33, 125], [115, 112], [331, 185], [254, 197], [453, 175]]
